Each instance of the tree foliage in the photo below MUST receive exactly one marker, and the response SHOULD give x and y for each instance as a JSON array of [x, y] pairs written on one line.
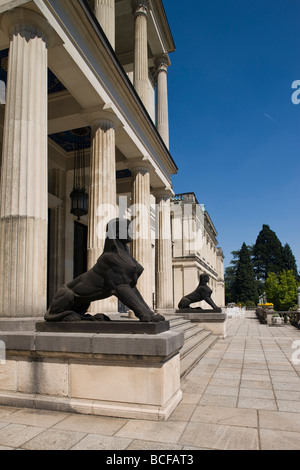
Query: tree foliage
[[281, 290], [229, 277], [265, 266], [230, 273], [267, 254], [240, 283], [245, 286], [289, 260]]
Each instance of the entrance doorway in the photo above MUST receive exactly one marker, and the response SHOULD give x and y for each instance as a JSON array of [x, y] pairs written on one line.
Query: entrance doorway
[[80, 249]]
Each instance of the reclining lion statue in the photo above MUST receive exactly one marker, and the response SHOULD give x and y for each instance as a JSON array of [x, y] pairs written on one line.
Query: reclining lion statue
[[203, 292], [115, 273]]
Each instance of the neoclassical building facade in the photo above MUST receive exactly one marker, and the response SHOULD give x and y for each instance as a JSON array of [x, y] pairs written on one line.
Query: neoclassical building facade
[[98, 69], [195, 249]]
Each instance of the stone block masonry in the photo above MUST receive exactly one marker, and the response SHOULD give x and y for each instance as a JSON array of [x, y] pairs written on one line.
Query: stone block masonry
[[118, 375]]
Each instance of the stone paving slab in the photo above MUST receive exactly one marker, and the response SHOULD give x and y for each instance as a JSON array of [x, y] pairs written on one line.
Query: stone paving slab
[[244, 394]]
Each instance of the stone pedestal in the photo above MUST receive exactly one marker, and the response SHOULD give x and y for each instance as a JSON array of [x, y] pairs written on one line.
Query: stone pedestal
[[273, 320], [119, 375], [113, 327], [211, 320]]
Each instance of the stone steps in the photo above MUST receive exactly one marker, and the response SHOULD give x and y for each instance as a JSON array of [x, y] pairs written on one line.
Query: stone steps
[[197, 341]]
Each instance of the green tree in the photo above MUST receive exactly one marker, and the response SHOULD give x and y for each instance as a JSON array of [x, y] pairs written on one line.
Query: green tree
[[281, 290], [272, 289], [245, 289], [229, 277], [287, 290], [267, 254], [289, 260]]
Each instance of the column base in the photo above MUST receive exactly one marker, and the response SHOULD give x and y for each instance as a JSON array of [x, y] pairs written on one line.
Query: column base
[[165, 311]]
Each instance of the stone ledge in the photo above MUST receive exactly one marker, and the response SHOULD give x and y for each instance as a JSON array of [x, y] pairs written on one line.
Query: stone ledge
[[163, 345], [114, 327], [196, 315], [19, 324]]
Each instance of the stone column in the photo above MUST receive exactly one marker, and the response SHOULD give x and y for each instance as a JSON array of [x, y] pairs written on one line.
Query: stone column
[[105, 14], [24, 188], [56, 232], [102, 197], [140, 10], [141, 244], [163, 255], [162, 113]]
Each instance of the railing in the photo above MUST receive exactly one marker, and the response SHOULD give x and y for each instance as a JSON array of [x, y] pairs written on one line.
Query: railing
[[288, 317], [185, 197], [293, 316], [235, 312]]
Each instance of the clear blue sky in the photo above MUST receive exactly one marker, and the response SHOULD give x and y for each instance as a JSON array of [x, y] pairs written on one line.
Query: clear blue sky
[[234, 131]]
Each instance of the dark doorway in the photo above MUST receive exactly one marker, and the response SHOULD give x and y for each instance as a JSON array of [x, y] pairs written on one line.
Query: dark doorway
[[80, 249]]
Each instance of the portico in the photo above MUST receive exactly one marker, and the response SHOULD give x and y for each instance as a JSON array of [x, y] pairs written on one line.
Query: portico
[[89, 70]]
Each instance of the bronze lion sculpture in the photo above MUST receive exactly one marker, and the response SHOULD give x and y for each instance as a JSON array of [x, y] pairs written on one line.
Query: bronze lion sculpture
[[115, 273], [203, 292]]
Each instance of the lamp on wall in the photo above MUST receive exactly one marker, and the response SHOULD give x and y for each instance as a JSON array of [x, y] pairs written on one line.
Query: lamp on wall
[[79, 196]]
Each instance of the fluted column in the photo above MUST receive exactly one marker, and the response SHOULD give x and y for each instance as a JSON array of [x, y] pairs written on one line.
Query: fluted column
[[105, 14], [163, 255], [140, 10], [24, 188], [141, 244], [102, 197], [162, 112], [56, 233]]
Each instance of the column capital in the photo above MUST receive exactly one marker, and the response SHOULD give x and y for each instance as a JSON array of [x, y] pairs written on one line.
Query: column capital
[[162, 64], [163, 193], [140, 7], [102, 118], [140, 166], [28, 24]]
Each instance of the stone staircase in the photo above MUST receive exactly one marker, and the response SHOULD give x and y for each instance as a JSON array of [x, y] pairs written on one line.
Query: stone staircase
[[197, 341]]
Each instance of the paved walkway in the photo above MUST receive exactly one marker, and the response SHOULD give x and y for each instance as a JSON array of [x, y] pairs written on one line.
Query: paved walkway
[[244, 394]]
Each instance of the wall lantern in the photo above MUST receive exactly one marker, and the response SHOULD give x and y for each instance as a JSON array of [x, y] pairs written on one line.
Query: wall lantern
[[79, 196]]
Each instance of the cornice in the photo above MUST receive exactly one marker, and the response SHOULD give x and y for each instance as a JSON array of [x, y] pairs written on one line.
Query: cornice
[[196, 259], [123, 83]]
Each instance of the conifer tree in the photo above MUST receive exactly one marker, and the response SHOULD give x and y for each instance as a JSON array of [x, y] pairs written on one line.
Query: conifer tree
[[245, 284], [267, 254], [230, 274], [289, 260]]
